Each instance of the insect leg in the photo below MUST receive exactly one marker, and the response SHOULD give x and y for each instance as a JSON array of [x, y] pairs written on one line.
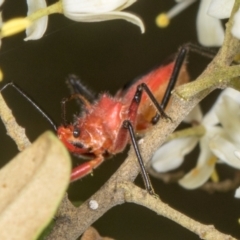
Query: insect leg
[[18, 89], [65, 100], [134, 107], [147, 182], [85, 168], [123, 134], [174, 76], [77, 87], [207, 52], [201, 50]]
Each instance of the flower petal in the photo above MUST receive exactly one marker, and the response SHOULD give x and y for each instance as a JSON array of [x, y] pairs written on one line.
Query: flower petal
[[106, 16], [228, 113], [211, 117], [236, 25], [91, 6], [194, 116], [205, 165], [197, 176], [126, 4], [220, 8], [237, 193], [38, 28], [225, 150], [210, 30], [233, 93], [165, 159]]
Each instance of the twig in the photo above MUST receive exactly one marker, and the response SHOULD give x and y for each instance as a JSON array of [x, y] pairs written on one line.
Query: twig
[[16, 132], [219, 74], [136, 195]]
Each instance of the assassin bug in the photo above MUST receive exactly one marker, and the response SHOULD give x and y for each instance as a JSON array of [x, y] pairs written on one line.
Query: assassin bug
[[107, 125]]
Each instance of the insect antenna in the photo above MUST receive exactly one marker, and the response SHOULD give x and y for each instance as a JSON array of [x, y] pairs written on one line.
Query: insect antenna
[[81, 98], [18, 89]]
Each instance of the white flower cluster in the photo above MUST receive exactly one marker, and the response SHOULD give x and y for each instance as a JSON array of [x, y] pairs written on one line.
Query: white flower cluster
[[77, 10], [210, 30], [219, 144]]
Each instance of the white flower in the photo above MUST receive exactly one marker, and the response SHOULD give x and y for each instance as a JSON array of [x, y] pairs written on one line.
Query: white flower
[[79, 10], [226, 146], [165, 159], [227, 143], [217, 142], [209, 29], [38, 28], [236, 25], [221, 9]]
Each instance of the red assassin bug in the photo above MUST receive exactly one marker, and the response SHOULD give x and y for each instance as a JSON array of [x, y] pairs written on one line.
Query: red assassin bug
[[106, 126]]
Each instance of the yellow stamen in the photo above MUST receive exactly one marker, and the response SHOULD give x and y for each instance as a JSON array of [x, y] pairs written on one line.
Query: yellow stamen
[[162, 20], [1, 75], [17, 25], [14, 26], [211, 161], [214, 176]]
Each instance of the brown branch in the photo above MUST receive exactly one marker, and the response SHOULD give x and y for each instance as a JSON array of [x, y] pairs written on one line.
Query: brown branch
[[223, 186], [16, 132], [136, 195]]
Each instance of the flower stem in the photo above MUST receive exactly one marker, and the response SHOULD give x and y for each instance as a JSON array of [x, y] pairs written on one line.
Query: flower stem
[[54, 8], [196, 131]]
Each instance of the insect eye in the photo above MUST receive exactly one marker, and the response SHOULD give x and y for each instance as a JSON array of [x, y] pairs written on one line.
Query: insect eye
[[76, 132]]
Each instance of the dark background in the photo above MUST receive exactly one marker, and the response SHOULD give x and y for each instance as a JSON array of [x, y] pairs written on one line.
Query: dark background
[[106, 55]]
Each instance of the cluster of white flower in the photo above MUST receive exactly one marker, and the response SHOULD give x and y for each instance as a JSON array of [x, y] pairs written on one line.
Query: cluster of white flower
[[210, 30], [221, 141], [219, 144], [77, 10]]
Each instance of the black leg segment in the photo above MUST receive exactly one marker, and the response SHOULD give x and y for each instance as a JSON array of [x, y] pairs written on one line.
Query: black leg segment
[[77, 87], [128, 125]]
